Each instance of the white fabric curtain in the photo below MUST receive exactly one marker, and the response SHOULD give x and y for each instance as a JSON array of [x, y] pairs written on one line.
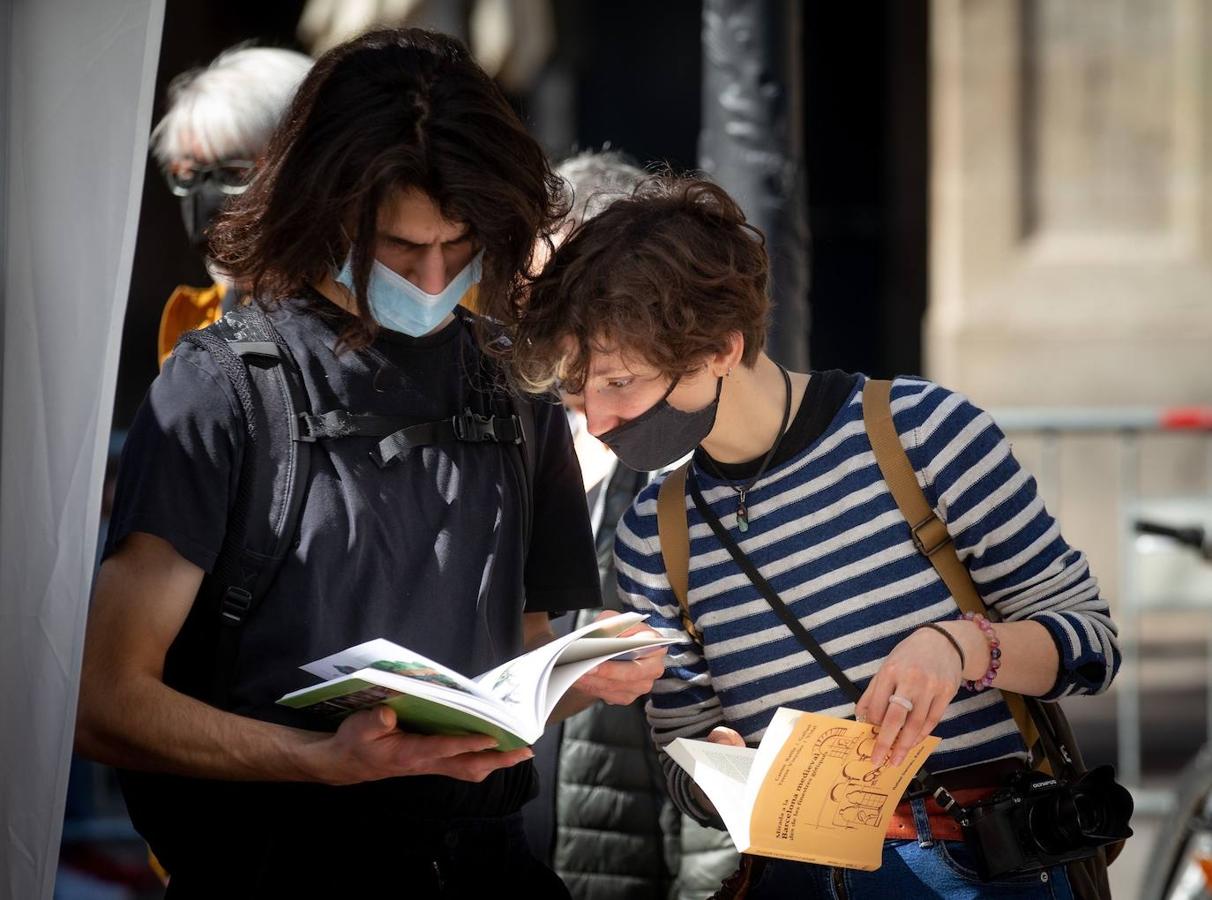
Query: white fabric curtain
[[76, 78]]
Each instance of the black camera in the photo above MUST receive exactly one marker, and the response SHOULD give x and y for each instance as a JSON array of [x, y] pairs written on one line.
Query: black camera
[[1036, 822]]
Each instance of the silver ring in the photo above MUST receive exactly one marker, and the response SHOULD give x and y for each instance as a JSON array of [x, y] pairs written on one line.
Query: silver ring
[[901, 701]]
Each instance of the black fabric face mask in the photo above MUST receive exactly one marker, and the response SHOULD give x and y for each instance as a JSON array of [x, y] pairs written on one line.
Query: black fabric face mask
[[662, 434], [198, 209]]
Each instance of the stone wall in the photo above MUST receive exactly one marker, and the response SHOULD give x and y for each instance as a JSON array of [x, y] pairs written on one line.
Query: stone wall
[[1071, 231]]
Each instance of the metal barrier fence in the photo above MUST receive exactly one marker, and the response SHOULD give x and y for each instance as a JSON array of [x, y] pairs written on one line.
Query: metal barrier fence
[[1127, 426]]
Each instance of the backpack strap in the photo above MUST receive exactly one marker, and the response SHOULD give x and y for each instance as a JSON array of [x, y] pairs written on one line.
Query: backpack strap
[[512, 413], [673, 534], [930, 534], [264, 517], [400, 435], [468, 426], [523, 415]]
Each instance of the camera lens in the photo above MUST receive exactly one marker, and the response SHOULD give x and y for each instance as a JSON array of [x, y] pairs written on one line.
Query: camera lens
[[1088, 813], [1055, 821]]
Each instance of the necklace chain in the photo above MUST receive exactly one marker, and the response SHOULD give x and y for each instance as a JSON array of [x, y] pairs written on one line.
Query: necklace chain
[[742, 491]]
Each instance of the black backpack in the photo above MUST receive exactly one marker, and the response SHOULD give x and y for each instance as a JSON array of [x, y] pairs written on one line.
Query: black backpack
[[280, 433]]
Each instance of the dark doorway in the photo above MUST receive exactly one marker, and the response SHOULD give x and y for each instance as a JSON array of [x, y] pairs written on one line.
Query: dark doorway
[[194, 34], [867, 129]]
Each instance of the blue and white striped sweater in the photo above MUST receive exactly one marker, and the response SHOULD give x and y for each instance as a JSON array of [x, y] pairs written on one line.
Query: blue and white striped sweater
[[827, 534]]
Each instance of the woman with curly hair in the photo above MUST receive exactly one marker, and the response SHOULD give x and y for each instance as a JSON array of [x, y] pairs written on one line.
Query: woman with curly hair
[[656, 313]]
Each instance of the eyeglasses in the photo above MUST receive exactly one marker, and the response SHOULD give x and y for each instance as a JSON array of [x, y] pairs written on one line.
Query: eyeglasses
[[230, 175]]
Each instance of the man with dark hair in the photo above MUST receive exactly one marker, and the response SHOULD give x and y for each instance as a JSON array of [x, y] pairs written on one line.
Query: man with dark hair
[[399, 176]]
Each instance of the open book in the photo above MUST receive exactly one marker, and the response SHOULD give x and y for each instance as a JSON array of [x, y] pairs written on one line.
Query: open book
[[512, 702], [808, 792]]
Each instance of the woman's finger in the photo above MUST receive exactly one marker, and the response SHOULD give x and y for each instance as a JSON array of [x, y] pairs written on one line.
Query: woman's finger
[[890, 726], [722, 734], [913, 730], [877, 704], [938, 709], [862, 708]]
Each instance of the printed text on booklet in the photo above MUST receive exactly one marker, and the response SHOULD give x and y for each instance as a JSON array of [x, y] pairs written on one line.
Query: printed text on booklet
[[808, 792]]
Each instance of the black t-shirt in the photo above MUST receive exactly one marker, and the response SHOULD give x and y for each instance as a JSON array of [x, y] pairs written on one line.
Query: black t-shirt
[[427, 552], [824, 396]]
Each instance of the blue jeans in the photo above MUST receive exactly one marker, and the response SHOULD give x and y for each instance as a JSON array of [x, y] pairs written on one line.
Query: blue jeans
[[921, 868]]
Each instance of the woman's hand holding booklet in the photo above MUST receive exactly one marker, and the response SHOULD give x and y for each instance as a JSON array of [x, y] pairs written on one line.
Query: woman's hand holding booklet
[[811, 790]]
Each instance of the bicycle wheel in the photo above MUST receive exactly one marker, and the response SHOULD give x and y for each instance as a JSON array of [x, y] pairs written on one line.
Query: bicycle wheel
[[1182, 854]]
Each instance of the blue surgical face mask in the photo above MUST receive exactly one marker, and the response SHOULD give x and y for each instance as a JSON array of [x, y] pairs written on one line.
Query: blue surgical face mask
[[399, 305]]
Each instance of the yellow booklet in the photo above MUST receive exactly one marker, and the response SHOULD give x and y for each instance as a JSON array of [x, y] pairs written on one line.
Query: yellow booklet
[[808, 792]]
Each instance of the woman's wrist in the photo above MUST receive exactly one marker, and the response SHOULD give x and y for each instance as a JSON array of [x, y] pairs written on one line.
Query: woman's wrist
[[994, 650], [951, 642], [975, 646]]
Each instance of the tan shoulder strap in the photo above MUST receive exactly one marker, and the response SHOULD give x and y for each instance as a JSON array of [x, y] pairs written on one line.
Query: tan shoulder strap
[[673, 533], [930, 534]]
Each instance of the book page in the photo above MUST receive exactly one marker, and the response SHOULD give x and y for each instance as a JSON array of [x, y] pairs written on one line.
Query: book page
[[520, 684], [547, 653], [776, 735], [389, 657], [722, 772], [573, 662], [601, 648], [821, 799], [516, 686]]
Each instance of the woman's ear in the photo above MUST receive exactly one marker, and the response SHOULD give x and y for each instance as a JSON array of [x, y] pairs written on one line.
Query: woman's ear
[[729, 358]]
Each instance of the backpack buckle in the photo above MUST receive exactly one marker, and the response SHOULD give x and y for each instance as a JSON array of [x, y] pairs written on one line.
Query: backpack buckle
[[303, 428], [336, 423], [509, 430], [475, 428], [235, 606]]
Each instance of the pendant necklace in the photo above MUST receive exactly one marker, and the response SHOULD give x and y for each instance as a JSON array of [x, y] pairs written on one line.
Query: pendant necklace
[[742, 507]]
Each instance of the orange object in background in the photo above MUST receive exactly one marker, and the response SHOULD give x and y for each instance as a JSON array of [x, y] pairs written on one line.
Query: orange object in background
[[156, 867], [188, 308], [1205, 866], [471, 299]]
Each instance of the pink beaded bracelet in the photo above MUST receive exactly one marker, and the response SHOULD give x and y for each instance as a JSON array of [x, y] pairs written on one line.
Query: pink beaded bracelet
[[995, 652]]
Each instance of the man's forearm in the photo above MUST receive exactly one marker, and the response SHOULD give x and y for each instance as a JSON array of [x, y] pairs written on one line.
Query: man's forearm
[[128, 717], [147, 725]]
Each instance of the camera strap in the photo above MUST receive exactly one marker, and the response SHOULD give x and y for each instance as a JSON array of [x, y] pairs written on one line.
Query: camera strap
[[925, 784]]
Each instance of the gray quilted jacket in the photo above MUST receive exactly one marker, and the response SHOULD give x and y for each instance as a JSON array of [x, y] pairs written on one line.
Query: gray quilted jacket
[[603, 820]]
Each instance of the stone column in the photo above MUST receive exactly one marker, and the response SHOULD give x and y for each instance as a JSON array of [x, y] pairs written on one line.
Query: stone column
[[752, 145]]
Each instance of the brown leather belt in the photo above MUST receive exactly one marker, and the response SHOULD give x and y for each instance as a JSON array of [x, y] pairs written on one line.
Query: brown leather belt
[[969, 785]]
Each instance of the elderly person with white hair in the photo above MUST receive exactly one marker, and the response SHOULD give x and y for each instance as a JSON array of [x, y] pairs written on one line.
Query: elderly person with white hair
[[219, 121]]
